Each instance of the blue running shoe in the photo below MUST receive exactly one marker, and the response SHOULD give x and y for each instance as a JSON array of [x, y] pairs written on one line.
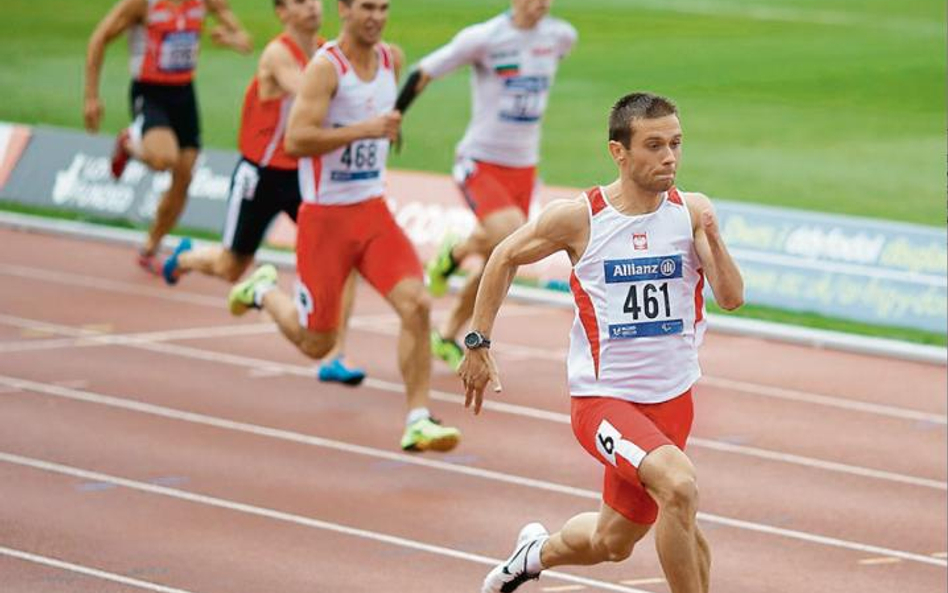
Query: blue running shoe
[[170, 270], [335, 371]]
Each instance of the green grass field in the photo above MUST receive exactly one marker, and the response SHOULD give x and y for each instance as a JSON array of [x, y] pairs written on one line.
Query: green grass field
[[829, 105]]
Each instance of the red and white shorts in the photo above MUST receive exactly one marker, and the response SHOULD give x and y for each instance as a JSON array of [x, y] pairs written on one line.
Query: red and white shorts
[[620, 434], [331, 241], [488, 187]]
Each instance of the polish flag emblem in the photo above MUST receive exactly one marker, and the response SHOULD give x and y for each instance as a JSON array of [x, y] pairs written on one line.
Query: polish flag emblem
[[640, 241]]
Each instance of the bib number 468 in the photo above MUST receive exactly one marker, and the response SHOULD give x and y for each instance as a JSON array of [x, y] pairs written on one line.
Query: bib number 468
[[648, 302], [362, 155]]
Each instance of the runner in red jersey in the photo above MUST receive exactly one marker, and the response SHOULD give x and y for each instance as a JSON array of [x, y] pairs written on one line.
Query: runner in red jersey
[[165, 134], [264, 182]]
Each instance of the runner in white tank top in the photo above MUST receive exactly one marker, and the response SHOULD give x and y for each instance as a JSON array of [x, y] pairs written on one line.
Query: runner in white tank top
[[355, 172], [640, 253], [639, 308], [343, 115], [514, 58]]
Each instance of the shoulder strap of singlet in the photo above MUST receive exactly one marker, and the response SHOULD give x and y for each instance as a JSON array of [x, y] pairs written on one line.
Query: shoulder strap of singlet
[[674, 197], [597, 202], [335, 55], [295, 49], [387, 60]]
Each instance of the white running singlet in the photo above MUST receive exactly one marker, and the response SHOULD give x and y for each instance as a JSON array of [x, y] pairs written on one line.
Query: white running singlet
[[356, 172], [639, 309], [511, 75]]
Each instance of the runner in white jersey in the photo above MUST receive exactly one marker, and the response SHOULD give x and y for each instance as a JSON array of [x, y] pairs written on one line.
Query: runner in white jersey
[[340, 126], [640, 251], [513, 59]]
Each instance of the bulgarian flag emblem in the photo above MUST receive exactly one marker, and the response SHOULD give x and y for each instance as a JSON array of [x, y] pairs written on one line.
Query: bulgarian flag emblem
[[507, 70]]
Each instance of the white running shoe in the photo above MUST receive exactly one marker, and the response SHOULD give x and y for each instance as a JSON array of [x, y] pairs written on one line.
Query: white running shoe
[[507, 577]]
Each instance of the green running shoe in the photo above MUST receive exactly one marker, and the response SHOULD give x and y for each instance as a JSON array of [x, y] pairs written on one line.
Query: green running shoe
[[447, 350], [441, 267], [241, 296], [427, 434]]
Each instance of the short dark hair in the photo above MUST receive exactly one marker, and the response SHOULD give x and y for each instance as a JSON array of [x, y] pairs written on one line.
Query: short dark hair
[[636, 106]]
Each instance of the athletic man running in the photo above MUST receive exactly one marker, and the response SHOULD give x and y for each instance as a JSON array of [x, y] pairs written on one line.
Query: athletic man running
[[514, 58], [640, 250], [165, 134], [342, 124], [265, 181]]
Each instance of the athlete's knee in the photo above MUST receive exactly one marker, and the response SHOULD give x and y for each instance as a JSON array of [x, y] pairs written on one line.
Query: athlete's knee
[[414, 305], [162, 161], [317, 345], [679, 494], [612, 547]]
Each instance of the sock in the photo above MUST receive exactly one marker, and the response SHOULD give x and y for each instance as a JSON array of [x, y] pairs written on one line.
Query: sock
[[261, 291], [416, 415], [534, 566]]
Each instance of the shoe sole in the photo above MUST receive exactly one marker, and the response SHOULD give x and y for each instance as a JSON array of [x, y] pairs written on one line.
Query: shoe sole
[[442, 445], [353, 382]]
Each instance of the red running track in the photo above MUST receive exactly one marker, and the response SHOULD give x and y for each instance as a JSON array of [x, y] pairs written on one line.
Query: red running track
[[151, 442]]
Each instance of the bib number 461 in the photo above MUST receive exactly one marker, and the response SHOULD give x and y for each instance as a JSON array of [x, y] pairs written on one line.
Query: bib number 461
[[648, 302]]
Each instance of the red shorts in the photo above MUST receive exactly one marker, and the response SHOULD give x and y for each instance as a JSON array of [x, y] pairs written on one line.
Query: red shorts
[[620, 434], [488, 187], [331, 241]]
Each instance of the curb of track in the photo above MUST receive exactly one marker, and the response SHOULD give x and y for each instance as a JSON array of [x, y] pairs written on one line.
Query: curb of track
[[814, 338]]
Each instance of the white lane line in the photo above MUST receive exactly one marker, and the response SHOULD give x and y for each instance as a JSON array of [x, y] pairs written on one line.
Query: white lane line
[[824, 400], [285, 435], [648, 581], [152, 292], [262, 368], [293, 518], [85, 570]]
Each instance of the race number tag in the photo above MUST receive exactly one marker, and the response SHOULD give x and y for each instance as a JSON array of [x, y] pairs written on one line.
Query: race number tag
[[638, 296], [359, 161], [178, 51], [523, 98]]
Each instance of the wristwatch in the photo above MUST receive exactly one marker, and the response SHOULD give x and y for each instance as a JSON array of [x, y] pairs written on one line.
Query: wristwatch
[[475, 339]]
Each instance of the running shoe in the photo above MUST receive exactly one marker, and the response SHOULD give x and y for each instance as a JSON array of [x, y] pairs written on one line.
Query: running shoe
[[335, 371], [170, 271], [241, 297], [442, 267], [508, 577], [148, 261], [120, 154], [447, 350], [427, 434]]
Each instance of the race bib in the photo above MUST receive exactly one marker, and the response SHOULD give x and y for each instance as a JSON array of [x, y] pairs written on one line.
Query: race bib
[[523, 98], [358, 161], [178, 51], [639, 297]]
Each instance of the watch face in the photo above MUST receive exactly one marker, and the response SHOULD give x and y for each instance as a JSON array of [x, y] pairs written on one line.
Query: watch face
[[472, 340]]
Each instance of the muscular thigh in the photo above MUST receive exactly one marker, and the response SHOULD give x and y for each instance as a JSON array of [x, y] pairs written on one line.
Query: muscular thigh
[[620, 434]]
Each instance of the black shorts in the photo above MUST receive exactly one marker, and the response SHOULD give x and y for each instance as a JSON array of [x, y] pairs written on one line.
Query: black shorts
[[257, 195], [167, 106]]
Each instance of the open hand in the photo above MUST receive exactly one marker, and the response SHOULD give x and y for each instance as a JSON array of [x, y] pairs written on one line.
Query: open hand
[[477, 370]]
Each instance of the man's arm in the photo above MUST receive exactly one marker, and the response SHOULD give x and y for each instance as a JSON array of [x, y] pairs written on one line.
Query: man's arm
[[463, 49], [228, 31], [122, 16], [305, 134], [563, 226], [720, 269], [281, 71]]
